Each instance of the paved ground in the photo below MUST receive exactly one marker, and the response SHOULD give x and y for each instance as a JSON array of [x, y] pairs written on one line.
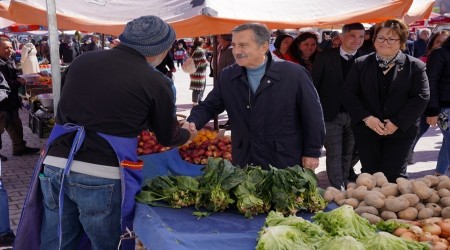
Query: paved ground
[[16, 172]]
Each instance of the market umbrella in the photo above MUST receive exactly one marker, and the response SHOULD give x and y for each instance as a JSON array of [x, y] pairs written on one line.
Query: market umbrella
[[18, 28], [419, 10], [200, 17], [439, 19]]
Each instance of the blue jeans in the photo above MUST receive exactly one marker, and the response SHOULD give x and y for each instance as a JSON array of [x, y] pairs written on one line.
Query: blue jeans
[[443, 162], [4, 211], [91, 205]]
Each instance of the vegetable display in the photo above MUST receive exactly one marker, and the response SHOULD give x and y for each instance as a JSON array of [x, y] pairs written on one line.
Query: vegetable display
[[251, 190], [417, 210], [339, 229], [376, 199]]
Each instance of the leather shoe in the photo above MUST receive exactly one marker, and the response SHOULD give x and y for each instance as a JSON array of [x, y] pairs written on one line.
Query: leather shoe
[[26, 151], [3, 158]]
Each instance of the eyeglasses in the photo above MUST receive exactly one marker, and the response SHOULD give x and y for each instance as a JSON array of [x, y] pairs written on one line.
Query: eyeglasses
[[389, 40]]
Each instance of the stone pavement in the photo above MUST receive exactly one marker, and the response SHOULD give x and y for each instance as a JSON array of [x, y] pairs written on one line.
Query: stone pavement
[[17, 171]]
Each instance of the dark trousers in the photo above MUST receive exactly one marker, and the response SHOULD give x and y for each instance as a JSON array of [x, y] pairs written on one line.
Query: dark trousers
[[379, 153], [423, 128], [10, 121], [339, 144]]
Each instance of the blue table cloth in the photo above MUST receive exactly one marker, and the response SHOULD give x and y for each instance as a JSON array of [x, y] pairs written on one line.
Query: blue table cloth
[[170, 228]]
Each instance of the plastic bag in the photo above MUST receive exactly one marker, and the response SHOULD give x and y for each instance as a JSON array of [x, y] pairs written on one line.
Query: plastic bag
[[189, 66]]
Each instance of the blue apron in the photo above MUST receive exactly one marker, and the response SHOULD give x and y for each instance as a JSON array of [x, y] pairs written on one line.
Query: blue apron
[[28, 231]]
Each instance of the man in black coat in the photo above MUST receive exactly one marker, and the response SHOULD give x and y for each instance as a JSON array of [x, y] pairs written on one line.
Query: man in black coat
[[329, 71], [272, 105]]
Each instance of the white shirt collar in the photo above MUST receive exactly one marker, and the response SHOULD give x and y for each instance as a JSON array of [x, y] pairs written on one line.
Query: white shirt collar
[[343, 53]]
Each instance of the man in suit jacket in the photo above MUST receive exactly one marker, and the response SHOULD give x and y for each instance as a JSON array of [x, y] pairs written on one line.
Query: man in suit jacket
[[329, 71]]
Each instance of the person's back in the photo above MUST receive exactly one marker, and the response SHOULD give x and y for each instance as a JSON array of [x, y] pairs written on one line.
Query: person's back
[[67, 52]]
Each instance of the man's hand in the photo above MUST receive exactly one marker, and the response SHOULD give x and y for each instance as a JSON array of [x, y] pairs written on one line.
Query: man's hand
[[192, 129], [310, 162]]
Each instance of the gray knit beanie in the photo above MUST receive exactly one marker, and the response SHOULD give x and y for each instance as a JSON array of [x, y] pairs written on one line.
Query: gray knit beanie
[[149, 35]]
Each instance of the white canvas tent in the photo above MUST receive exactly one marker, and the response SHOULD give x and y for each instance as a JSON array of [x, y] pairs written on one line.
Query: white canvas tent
[[199, 17], [206, 17], [420, 9]]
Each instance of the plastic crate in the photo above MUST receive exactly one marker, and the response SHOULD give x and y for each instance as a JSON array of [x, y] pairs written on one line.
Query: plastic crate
[[42, 128]]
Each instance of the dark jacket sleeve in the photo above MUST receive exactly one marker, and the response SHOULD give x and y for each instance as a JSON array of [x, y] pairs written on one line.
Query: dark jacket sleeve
[[435, 66], [419, 95], [313, 126], [318, 70]]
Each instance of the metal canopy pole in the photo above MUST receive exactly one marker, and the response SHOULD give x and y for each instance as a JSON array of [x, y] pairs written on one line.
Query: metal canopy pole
[[54, 52]]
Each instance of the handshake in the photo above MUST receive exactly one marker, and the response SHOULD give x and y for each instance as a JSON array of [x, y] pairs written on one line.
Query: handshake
[[190, 126]]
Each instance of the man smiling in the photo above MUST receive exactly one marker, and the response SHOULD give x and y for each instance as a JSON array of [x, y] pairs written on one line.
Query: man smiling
[[273, 105]]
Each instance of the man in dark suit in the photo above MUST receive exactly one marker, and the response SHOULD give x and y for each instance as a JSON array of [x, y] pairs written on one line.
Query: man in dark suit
[[329, 71]]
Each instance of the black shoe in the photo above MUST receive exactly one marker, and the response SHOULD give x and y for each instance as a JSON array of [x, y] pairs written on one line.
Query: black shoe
[[26, 151], [3, 158], [7, 239]]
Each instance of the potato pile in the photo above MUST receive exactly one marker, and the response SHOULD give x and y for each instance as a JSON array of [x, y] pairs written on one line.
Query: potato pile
[[375, 199]]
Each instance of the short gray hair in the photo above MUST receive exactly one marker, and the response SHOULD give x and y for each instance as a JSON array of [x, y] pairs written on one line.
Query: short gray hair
[[262, 34]]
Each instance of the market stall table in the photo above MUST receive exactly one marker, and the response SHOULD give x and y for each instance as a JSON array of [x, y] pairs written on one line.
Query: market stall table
[[171, 228]]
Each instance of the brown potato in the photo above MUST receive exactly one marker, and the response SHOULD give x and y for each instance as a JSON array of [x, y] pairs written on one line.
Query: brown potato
[[397, 204], [445, 183], [413, 199], [419, 206], [373, 219], [436, 208], [389, 189], [434, 198], [404, 185], [433, 179], [443, 192], [424, 180], [360, 192], [425, 213], [421, 190], [445, 212], [445, 201], [351, 201], [409, 213], [366, 209], [380, 179], [386, 215], [372, 199], [366, 179]]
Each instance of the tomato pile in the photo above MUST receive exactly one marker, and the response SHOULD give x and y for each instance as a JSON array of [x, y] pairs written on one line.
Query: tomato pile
[[205, 144], [147, 144]]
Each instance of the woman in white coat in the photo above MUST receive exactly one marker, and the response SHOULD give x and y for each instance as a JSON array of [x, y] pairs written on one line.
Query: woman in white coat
[[29, 61]]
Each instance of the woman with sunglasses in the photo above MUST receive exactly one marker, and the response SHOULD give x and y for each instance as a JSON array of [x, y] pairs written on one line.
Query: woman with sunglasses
[[385, 93]]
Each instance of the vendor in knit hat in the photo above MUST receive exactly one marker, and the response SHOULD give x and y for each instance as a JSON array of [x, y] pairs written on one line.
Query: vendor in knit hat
[[108, 98], [149, 35]]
